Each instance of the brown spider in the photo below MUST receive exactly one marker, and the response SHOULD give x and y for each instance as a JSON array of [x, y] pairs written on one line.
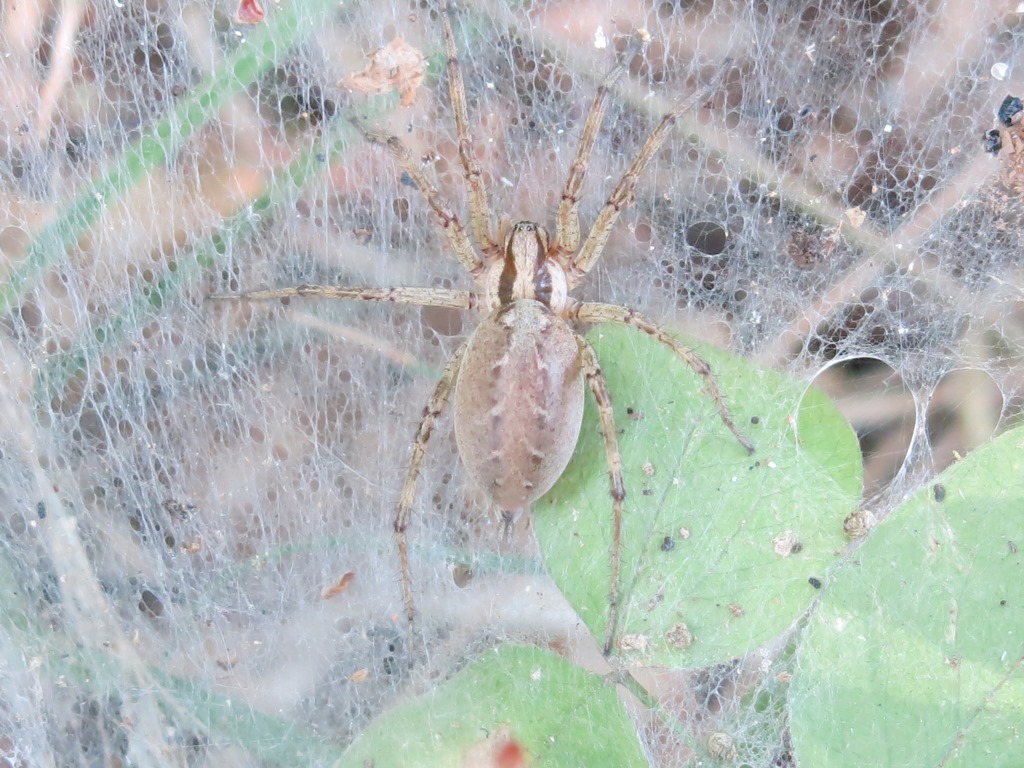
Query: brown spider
[[518, 379]]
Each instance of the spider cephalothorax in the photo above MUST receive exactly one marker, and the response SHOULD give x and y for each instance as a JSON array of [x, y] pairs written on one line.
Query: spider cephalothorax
[[526, 271]]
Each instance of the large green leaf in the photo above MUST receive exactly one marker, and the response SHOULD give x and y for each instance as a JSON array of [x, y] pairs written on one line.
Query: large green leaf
[[704, 522], [557, 714], [915, 655]]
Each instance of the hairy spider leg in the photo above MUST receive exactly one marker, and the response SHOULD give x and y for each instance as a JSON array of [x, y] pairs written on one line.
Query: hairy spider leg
[[567, 222]]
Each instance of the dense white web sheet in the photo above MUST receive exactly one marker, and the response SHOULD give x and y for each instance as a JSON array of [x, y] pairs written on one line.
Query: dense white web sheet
[[181, 482]]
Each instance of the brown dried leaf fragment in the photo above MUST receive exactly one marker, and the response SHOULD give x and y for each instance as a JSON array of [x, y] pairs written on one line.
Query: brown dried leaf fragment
[[858, 523], [340, 586], [856, 216], [787, 543], [397, 66], [679, 636]]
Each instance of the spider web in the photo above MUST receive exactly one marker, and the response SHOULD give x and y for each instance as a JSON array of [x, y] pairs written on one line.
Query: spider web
[[183, 483]]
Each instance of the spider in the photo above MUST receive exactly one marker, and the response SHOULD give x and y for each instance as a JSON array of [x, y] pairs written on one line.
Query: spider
[[518, 379]]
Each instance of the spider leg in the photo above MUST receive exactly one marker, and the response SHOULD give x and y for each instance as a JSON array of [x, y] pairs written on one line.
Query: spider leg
[[508, 525], [424, 297], [599, 389], [622, 195], [480, 211], [435, 405], [446, 216], [588, 312], [567, 224]]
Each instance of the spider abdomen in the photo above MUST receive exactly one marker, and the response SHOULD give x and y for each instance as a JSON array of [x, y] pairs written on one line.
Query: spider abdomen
[[519, 402]]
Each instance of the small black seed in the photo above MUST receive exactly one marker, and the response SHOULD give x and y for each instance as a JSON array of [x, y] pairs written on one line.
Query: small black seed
[[755, 419], [814, 582], [992, 141], [1009, 109], [940, 491], [668, 544]]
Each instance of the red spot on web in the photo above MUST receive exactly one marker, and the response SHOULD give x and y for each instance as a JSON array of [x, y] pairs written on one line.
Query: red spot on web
[[509, 754], [250, 12]]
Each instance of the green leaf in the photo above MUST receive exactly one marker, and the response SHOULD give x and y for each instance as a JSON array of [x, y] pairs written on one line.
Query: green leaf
[[558, 714], [702, 518], [915, 655]]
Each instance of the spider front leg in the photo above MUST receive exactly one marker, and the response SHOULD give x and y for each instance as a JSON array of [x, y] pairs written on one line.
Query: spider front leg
[[567, 224], [446, 216], [622, 195], [599, 389], [435, 405], [480, 210], [588, 312]]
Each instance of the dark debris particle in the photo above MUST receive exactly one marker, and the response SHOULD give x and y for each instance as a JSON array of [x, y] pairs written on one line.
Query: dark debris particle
[[940, 492], [462, 575], [150, 605], [390, 663], [668, 544], [992, 141], [755, 419], [815, 582], [41, 510], [1009, 109], [804, 249], [178, 509]]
